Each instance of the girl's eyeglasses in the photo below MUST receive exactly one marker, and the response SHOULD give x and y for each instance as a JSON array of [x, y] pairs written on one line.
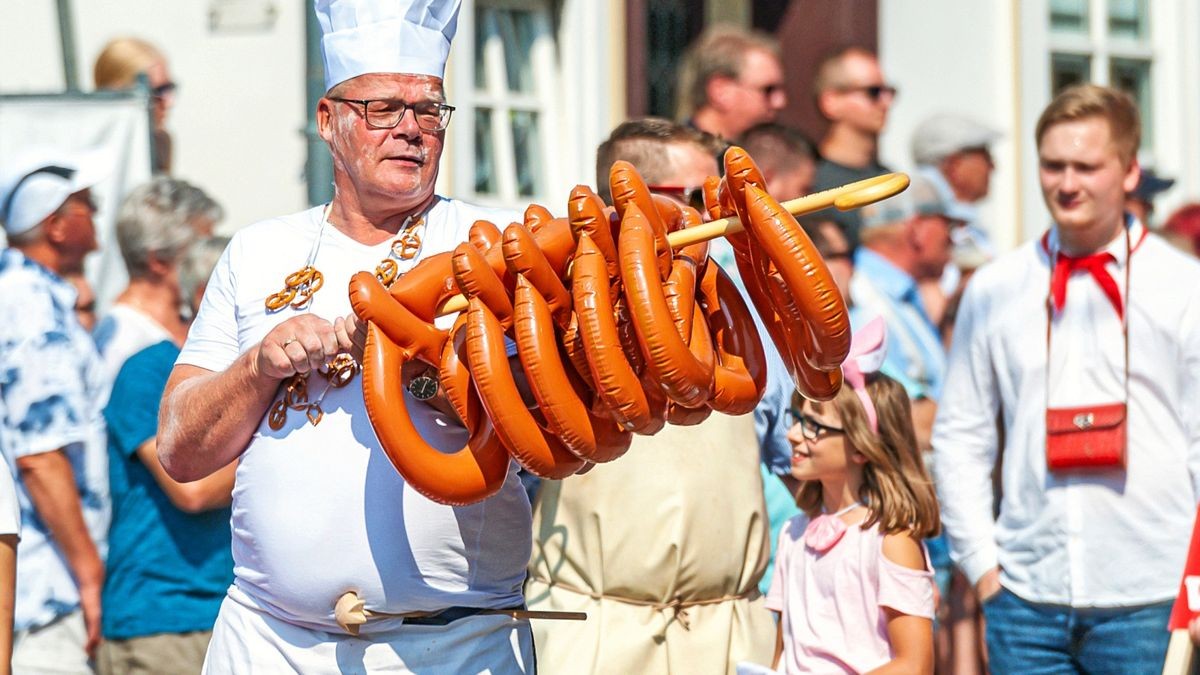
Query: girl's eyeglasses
[[810, 428]]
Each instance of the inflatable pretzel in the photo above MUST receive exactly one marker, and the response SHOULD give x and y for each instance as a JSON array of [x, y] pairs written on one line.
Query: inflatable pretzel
[[620, 322]]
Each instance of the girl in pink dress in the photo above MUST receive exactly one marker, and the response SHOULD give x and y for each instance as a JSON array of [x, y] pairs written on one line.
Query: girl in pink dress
[[852, 579]]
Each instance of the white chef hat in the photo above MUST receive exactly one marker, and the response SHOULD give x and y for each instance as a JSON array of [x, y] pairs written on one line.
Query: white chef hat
[[38, 182], [385, 36]]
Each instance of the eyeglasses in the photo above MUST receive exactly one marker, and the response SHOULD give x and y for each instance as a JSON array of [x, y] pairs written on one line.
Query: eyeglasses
[[874, 91], [691, 196], [386, 113], [810, 429]]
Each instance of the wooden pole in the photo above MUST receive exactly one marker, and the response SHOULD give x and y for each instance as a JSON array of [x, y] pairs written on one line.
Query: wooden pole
[[1181, 654]]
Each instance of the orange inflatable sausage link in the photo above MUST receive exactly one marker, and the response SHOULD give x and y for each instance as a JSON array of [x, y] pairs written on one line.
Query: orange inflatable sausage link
[[811, 328], [588, 215], [614, 379], [477, 279], [741, 372], [807, 278], [523, 258], [483, 235], [587, 435], [533, 448], [687, 380], [628, 188], [470, 474]]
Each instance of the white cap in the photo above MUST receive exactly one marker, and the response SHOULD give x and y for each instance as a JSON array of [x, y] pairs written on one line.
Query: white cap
[[39, 181], [940, 136], [385, 36]]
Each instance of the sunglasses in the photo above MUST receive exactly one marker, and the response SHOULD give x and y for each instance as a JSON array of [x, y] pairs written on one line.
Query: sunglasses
[[164, 90], [692, 196], [874, 91], [767, 90]]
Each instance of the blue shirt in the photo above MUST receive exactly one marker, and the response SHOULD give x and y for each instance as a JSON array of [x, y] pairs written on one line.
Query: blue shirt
[[915, 356], [51, 393], [167, 570]]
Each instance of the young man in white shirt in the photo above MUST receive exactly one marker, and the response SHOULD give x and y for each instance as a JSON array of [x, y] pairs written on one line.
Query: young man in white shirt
[[1078, 571]]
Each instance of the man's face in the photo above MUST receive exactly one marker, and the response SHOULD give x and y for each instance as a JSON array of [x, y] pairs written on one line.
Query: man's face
[[969, 173], [159, 79], [931, 239], [399, 164], [77, 228], [1084, 180], [757, 95], [794, 182], [864, 98]]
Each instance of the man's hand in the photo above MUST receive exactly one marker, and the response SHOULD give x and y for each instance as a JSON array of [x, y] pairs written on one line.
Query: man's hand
[[988, 585], [306, 343], [351, 333], [89, 602]]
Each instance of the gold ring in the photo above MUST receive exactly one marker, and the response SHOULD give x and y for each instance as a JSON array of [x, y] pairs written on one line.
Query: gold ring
[[287, 342]]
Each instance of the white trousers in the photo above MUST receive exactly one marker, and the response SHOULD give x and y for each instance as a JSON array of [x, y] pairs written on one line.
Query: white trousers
[[247, 640]]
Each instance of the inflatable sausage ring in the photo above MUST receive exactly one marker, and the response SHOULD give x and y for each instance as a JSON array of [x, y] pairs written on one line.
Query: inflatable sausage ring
[[621, 324]]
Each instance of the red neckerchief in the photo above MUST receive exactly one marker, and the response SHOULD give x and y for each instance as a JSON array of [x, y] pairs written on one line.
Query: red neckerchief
[[1095, 264]]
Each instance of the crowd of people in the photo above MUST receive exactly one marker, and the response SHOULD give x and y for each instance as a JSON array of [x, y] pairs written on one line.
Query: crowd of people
[[1007, 478]]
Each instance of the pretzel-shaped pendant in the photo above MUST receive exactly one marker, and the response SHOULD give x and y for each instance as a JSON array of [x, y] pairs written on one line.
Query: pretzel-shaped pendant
[[298, 289], [406, 246]]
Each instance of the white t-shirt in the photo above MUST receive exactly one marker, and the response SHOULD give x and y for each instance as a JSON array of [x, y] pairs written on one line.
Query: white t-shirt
[[320, 510], [10, 511], [123, 332]]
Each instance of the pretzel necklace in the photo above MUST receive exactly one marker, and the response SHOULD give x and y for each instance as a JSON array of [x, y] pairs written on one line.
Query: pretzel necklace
[[298, 290]]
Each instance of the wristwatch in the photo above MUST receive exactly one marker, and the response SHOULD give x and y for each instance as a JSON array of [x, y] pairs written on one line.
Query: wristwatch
[[423, 387]]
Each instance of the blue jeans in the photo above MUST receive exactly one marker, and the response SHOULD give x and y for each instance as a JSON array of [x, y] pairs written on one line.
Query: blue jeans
[[1026, 637]]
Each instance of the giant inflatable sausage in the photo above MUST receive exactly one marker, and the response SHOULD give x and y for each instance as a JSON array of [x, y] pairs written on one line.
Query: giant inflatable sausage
[[621, 325]]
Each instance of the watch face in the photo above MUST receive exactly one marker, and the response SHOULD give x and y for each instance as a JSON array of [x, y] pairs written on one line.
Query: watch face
[[423, 388]]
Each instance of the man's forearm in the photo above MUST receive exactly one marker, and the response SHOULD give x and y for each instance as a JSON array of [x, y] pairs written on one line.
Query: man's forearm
[[8, 594], [207, 419], [50, 482]]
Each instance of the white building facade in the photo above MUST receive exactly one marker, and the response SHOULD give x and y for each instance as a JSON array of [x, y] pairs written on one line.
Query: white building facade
[[999, 62]]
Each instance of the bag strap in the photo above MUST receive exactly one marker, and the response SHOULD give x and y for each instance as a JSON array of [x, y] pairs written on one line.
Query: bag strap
[[1053, 253]]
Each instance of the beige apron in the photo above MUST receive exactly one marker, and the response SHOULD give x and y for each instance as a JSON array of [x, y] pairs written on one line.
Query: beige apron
[[664, 549]]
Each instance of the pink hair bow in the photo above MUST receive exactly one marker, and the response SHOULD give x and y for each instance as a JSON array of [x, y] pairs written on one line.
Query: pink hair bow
[[868, 347]]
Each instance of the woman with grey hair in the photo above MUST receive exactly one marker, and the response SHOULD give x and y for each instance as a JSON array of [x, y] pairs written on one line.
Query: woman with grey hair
[[155, 225], [169, 558]]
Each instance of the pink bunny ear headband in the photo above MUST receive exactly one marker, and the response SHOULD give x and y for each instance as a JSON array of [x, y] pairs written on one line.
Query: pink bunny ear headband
[[868, 347]]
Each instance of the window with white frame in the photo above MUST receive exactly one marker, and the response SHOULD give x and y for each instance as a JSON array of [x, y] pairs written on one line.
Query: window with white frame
[[511, 103], [1107, 42]]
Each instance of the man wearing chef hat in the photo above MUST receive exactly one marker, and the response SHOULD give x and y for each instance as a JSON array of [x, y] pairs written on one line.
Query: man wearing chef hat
[[339, 564], [52, 433]]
